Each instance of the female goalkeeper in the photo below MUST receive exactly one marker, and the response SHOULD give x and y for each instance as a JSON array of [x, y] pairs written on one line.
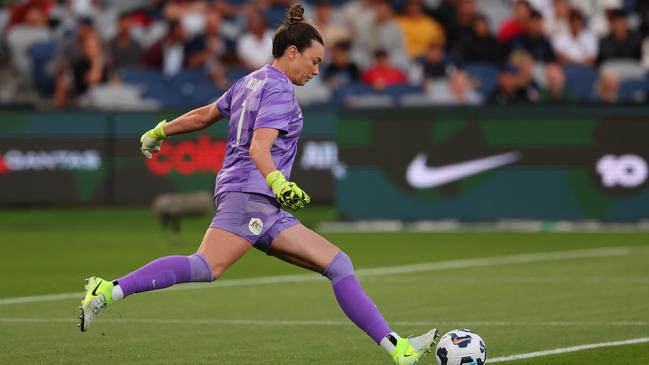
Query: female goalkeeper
[[251, 190]]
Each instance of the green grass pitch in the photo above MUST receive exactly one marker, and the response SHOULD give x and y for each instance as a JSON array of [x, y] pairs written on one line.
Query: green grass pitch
[[517, 307]]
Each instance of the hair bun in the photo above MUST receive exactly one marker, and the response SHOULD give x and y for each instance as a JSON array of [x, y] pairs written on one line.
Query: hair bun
[[295, 14]]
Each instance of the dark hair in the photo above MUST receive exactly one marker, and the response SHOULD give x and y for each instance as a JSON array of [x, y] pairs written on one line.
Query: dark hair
[[380, 53], [575, 14], [617, 14], [535, 14], [294, 32]]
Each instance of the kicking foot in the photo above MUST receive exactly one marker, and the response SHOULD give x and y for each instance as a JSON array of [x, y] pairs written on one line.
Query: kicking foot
[[98, 297], [409, 350]]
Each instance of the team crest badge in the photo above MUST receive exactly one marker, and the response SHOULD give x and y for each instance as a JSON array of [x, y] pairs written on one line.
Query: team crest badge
[[255, 225]]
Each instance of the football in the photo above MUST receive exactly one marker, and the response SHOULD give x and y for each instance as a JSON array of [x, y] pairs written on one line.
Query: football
[[461, 347]]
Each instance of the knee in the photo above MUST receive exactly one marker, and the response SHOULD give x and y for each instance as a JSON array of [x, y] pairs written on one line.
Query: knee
[[203, 269], [217, 270], [216, 267], [340, 267]]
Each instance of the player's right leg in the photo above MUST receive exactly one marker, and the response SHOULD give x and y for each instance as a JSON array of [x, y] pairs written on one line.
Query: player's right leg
[[218, 251], [305, 248]]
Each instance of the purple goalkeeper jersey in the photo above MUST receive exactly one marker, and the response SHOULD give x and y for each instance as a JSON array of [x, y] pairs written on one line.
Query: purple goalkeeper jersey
[[263, 99]]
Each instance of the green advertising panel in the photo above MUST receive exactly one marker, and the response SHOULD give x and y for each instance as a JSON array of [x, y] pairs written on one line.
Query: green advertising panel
[[495, 163], [94, 158]]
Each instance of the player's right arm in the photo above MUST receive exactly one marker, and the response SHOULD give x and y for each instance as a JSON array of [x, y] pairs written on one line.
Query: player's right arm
[[191, 121], [288, 194]]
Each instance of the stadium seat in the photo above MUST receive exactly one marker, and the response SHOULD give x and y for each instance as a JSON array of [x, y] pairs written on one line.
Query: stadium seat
[[486, 75], [274, 16], [362, 95], [580, 80], [634, 91], [625, 69], [205, 93], [235, 74], [147, 80], [186, 82], [40, 55]]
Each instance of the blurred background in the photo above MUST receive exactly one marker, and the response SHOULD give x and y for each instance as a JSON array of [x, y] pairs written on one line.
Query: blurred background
[[446, 111]]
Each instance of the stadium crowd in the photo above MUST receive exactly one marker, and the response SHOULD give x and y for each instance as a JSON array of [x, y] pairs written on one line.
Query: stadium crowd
[[175, 53]]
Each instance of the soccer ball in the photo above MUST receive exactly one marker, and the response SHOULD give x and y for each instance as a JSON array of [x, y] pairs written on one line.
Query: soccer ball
[[461, 347]]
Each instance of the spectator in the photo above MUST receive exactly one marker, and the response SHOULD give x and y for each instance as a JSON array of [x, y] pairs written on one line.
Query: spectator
[[382, 34], [27, 29], [341, 71], [358, 15], [643, 11], [578, 45], [382, 74], [621, 42], [525, 64], [457, 90], [419, 29], [607, 87], [86, 67], [430, 66], [555, 91], [509, 90], [556, 22], [123, 50], [534, 42], [204, 50], [168, 54], [332, 32], [545, 7], [23, 12], [188, 13], [517, 25], [255, 47], [480, 46], [460, 26], [598, 12]]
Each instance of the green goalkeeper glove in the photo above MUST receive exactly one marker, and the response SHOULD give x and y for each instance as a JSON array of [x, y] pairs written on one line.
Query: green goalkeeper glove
[[151, 141], [287, 193]]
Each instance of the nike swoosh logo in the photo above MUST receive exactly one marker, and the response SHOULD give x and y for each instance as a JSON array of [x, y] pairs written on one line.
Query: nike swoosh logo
[[421, 176], [94, 291]]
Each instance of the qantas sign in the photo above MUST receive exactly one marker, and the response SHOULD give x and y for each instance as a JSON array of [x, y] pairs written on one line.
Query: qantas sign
[[57, 160]]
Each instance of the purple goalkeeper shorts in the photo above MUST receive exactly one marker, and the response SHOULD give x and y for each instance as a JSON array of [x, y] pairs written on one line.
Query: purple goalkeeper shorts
[[255, 217]]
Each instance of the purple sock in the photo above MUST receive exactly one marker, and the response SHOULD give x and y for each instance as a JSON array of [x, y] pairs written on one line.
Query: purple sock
[[353, 300], [165, 272]]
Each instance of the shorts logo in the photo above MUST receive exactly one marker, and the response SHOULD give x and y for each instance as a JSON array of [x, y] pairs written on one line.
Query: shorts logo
[[255, 225]]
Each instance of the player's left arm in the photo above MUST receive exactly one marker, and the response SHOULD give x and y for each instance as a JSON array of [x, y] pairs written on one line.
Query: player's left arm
[[194, 120]]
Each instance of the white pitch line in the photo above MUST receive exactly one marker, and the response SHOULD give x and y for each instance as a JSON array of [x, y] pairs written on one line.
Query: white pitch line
[[509, 358], [565, 350], [458, 324], [386, 270]]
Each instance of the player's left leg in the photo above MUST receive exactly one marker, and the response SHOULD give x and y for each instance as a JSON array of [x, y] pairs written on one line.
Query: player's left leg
[[218, 251], [305, 248]]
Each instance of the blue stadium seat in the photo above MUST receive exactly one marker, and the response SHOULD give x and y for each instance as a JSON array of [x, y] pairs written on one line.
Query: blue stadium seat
[[205, 93], [634, 91], [41, 54], [359, 93], [580, 80], [186, 82], [399, 90], [234, 74], [275, 16], [150, 81], [486, 74]]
